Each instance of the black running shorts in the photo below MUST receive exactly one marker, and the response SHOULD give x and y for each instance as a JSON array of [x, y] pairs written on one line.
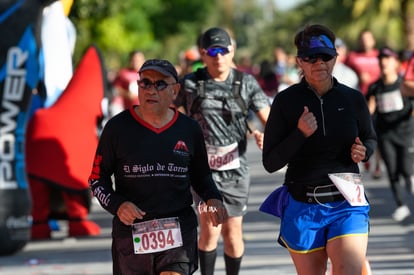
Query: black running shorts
[[182, 259]]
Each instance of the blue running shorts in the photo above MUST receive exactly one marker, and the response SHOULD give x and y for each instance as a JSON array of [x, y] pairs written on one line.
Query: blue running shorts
[[307, 227]]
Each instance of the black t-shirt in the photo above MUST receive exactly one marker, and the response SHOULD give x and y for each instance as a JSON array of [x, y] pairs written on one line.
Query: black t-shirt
[[393, 111]]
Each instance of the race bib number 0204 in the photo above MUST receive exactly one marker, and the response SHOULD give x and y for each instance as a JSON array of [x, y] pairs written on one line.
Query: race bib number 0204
[[156, 235], [223, 158], [350, 186]]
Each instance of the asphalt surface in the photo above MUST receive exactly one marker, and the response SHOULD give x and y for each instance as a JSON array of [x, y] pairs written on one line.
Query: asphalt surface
[[390, 247]]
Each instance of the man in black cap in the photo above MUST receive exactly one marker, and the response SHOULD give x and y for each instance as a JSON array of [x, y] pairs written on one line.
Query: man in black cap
[[219, 97], [156, 155]]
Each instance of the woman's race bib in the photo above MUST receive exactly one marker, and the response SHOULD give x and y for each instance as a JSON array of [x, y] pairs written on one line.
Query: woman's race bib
[[350, 186], [223, 158], [156, 235]]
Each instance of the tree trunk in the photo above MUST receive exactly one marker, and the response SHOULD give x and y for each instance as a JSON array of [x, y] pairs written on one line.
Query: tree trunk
[[407, 8]]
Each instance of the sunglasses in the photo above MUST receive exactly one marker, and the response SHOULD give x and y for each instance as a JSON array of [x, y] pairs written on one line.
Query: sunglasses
[[213, 52], [159, 85], [314, 58]]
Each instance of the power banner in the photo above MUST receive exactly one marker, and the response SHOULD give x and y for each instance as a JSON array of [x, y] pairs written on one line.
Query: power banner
[[19, 74]]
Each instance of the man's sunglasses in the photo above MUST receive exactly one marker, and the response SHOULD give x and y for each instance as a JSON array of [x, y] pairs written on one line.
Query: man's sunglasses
[[159, 85], [314, 58], [213, 52]]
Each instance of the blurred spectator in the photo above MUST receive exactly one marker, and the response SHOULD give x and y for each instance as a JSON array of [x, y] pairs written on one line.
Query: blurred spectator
[[268, 80], [280, 62], [245, 64], [364, 60], [341, 71], [405, 56], [291, 73], [190, 61], [125, 84]]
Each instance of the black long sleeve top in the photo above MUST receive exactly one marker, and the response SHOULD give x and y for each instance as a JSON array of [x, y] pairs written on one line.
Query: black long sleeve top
[[342, 115], [153, 168]]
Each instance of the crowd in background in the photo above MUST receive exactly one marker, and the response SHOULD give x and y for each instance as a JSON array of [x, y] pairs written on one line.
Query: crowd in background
[[358, 68]]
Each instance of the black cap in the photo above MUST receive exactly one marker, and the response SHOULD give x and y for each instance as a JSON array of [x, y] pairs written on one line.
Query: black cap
[[161, 66], [387, 51], [215, 37]]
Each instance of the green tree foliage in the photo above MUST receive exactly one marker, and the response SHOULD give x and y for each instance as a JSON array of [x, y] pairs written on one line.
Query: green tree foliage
[[158, 27], [392, 22], [164, 28]]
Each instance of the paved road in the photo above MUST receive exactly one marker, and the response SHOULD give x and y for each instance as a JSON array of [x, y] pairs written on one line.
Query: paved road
[[390, 248]]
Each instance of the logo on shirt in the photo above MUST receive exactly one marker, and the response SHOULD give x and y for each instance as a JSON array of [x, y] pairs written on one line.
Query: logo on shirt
[[181, 148], [96, 170]]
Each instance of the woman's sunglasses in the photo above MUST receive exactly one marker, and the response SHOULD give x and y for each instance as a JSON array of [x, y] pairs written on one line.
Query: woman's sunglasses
[[314, 58]]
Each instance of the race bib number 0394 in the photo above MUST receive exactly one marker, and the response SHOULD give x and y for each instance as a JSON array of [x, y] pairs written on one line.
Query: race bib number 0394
[[156, 235]]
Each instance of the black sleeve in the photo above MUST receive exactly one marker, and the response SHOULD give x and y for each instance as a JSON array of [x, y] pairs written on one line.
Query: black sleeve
[[366, 130], [372, 89], [103, 168], [281, 141]]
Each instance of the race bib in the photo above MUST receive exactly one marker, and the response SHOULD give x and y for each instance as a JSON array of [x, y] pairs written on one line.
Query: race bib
[[223, 158], [156, 235], [390, 102], [350, 186]]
